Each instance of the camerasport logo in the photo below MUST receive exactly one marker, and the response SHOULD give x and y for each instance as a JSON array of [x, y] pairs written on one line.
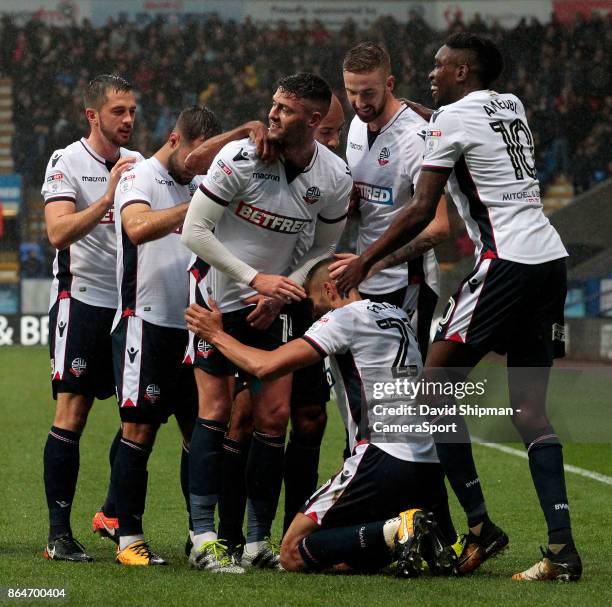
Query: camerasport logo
[[78, 367], [152, 393], [383, 157], [312, 195]]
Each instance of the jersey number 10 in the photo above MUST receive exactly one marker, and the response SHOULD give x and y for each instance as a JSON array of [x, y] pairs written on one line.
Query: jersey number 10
[[511, 135]]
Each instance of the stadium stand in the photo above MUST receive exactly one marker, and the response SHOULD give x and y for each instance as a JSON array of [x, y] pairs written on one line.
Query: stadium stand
[[224, 64]]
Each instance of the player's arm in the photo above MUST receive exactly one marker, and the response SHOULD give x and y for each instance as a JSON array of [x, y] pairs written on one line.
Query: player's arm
[[435, 233], [142, 224], [422, 110], [326, 236], [201, 158], [66, 225], [409, 222], [198, 236], [263, 364]]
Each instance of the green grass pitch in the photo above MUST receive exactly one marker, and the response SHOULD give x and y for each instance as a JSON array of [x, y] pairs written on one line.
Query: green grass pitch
[[26, 413]]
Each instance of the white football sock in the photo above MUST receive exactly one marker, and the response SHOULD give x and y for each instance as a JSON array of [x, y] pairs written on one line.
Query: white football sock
[[390, 529], [126, 540], [200, 538]]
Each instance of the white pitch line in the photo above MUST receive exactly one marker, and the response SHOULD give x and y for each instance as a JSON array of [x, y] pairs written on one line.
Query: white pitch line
[[596, 476]]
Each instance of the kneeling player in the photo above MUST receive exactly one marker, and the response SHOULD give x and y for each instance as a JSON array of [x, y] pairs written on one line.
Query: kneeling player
[[345, 522]]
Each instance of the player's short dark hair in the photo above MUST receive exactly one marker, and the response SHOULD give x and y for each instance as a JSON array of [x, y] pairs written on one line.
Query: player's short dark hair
[[366, 57], [323, 263], [197, 121], [489, 60], [97, 89], [311, 87]]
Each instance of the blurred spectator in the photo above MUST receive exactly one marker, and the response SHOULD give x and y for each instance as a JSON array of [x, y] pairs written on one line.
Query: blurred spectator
[[563, 74]]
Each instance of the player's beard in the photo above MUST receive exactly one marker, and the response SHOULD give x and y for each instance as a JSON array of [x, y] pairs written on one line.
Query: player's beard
[[377, 111], [293, 137], [113, 136], [175, 172]]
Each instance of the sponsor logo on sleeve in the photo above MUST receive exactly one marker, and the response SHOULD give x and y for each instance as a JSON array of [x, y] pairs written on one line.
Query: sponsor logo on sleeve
[[218, 176], [126, 183], [224, 167]]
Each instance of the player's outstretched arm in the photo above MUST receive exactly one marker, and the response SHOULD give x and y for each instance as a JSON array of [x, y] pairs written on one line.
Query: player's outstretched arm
[[435, 233], [263, 364], [66, 225], [198, 235], [142, 224], [410, 221], [201, 158]]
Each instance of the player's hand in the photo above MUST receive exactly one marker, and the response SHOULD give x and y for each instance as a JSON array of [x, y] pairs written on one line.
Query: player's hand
[[354, 272], [337, 267], [204, 323], [265, 312], [280, 287], [266, 149], [423, 111], [122, 165]]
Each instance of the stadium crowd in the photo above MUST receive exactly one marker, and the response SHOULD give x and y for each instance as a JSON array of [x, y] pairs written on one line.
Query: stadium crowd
[[562, 74]]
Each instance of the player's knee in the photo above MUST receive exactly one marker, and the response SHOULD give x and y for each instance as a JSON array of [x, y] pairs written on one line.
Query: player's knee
[[273, 417], [308, 424], [71, 412], [215, 407], [143, 434]]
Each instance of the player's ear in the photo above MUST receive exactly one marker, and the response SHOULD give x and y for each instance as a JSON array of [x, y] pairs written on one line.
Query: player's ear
[[390, 83], [92, 115], [174, 139], [462, 72], [315, 120]]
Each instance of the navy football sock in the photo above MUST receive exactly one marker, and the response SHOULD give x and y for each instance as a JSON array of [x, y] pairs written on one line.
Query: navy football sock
[[109, 508], [264, 477], [301, 476], [130, 482], [363, 547], [458, 464], [232, 501], [205, 456], [546, 466], [61, 470]]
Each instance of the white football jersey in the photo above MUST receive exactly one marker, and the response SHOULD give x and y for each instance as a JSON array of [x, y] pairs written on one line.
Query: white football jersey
[[152, 278], [268, 207], [364, 341], [86, 269], [385, 174], [485, 141]]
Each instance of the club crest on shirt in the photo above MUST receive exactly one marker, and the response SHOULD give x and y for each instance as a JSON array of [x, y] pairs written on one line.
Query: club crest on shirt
[[312, 195], [383, 157]]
